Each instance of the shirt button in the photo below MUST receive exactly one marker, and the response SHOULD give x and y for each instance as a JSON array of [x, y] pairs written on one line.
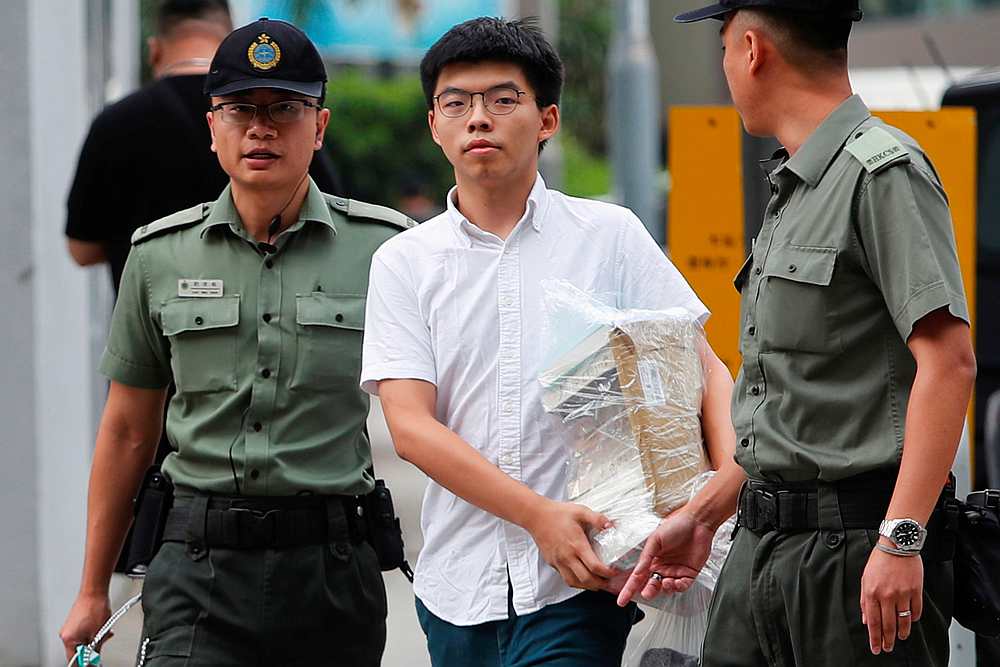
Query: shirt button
[[755, 390], [507, 407], [257, 426], [267, 317], [745, 442], [506, 301], [339, 317], [792, 268], [269, 264], [758, 271], [199, 320], [266, 373], [752, 330], [254, 474]]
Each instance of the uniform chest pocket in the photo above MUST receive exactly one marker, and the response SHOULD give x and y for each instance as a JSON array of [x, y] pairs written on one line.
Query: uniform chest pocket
[[329, 328], [203, 342], [795, 309]]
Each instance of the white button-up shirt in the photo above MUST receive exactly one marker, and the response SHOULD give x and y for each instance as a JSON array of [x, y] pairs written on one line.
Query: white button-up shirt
[[463, 309]]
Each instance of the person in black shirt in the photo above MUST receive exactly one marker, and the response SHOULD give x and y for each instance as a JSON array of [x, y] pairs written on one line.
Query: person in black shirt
[[148, 155]]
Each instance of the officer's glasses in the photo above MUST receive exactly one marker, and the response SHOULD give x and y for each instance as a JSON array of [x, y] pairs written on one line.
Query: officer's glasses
[[499, 101], [282, 112]]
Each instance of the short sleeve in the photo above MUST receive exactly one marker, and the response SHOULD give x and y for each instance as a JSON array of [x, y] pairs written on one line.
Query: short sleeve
[[909, 244], [647, 278], [397, 342], [137, 354]]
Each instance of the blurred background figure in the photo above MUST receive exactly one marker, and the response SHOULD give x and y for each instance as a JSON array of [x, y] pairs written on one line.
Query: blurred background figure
[[148, 155]]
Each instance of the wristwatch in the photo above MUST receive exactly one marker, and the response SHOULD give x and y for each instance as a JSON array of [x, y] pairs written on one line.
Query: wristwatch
[[905, 534]]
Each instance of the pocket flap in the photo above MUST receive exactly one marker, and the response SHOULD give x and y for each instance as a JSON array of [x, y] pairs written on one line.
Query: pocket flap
[[343, 311], [193, 314], [803, 264]]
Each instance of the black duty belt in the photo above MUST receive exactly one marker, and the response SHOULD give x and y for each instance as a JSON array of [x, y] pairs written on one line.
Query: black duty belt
[[766, 507], [270, 522]]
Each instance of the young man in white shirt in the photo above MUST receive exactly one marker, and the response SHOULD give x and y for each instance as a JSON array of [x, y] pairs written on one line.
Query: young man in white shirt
[[453, 347]]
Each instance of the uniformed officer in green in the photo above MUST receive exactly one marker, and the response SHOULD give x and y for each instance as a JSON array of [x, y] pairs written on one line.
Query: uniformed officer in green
[[857, 367], [253, 306]]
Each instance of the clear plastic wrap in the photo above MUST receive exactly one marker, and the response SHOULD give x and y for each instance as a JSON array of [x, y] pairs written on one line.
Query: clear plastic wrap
[[672, 633], [628, 384]]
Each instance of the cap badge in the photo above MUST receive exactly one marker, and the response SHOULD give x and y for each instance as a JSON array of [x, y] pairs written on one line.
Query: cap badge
[[264, 53]]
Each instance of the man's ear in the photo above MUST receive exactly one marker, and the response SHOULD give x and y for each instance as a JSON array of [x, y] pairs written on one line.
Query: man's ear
[[210, 117], [322, 120], [550, 122], [430, 123], [757, 50], [155, 48]]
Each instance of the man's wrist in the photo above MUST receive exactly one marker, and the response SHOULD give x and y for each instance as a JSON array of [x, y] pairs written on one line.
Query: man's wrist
[[531, 510], [887, 547]]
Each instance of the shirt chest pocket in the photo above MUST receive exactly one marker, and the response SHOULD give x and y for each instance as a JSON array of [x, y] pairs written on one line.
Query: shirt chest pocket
[[795, 310], [329, 328], [203, 342]]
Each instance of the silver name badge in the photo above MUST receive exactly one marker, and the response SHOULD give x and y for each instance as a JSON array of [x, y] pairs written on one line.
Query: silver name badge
[[199, 287]]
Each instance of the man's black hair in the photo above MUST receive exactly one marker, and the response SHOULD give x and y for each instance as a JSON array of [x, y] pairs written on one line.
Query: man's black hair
[[520, 42], [809, 37], [171, 13]]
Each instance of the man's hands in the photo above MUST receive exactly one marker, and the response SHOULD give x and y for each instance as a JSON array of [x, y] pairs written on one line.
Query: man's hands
[[677, 550], [88, 614], [890, 585], [560, 531]]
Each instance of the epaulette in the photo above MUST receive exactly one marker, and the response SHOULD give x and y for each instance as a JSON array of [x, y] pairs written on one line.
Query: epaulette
[[353, 208], [178, 220], [877, 149]]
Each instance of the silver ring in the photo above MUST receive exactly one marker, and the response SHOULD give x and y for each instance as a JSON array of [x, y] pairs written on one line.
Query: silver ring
[[656, 576], [905, 614]]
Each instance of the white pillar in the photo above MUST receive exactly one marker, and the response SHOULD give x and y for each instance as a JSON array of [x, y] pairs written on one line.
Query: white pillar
[[18, 567], [58, 55]]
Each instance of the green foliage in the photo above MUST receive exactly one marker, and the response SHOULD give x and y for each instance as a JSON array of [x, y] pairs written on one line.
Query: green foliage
[[584, 40], [379, 138], [584, 175]]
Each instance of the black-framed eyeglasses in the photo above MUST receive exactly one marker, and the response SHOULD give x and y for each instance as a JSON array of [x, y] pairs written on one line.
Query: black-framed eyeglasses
[[282, 111], [499, 101]]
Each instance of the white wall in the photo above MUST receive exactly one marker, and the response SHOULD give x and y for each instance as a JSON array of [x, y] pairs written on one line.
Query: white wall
[[57, 59], [18, 567]]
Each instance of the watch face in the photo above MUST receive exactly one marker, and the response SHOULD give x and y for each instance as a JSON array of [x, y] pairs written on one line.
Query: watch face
[[906, 534]]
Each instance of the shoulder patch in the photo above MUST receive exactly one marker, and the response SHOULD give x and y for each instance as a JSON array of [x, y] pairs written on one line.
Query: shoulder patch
[[877, 149], [174, 221], [353, 208]]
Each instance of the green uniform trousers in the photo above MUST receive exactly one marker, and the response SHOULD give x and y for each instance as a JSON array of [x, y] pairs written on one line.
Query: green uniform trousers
[[793, 599], [315, 605]]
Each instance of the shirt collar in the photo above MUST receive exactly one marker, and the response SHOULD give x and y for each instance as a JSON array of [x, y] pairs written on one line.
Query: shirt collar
[[812, 160], [314, 209], [534, 211]]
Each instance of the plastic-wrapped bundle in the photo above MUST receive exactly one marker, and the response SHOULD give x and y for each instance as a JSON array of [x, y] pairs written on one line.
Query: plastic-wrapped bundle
[[672, 633], [629, 384]]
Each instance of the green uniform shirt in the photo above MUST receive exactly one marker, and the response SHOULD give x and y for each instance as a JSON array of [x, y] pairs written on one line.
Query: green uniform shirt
[[856, 246], [266, 361]]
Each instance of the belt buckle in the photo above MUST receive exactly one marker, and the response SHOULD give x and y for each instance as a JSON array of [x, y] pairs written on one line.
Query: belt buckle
[[992, 498], [258, 526], [769, 508]]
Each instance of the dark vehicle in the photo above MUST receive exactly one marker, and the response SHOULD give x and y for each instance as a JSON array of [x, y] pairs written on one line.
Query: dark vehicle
[[982, 92]]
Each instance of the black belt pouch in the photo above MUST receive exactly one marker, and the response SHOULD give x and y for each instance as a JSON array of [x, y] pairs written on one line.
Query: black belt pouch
[[384, 532], [152, 505], [977, 563]]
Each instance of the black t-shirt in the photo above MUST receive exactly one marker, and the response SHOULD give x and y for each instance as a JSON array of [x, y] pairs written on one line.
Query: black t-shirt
[[147, 156]]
